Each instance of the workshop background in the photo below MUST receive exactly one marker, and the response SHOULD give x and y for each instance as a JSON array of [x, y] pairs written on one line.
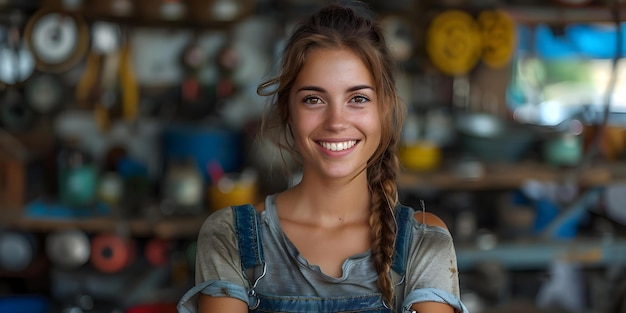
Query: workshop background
[[124, 123]]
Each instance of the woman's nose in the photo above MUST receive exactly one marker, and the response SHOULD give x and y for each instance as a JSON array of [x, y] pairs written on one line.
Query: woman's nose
[[336, 118]]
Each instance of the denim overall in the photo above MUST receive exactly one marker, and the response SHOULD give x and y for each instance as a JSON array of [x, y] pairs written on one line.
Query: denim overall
[[247, 226]]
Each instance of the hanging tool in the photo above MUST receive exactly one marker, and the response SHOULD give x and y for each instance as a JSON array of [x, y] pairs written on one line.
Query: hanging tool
[[108, 81], [108, 91], [88, 81], [128, 81]]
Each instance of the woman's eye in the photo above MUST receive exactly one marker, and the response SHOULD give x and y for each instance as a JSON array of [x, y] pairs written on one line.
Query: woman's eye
[[360, 99], [312, 100]]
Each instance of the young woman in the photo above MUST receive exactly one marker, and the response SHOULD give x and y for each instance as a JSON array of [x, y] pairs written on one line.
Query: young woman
[[338, 241]]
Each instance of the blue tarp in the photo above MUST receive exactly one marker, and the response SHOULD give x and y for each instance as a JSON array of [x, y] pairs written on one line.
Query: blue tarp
[[589, 41]]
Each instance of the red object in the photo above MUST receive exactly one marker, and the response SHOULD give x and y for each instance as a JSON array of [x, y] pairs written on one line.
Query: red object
[[158, 251], [191, 89], [215, 170], [153, 308], [225, 88], [111, 253]]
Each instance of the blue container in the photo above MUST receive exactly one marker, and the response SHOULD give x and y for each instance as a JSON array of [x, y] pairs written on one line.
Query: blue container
[[204, 145], [25, 304]]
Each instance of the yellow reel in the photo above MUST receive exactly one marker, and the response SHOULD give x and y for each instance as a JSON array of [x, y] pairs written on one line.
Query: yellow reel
[[454, 42], [498, 36]]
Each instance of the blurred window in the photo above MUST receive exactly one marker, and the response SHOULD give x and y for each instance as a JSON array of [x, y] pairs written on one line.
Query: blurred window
[[560, 71]]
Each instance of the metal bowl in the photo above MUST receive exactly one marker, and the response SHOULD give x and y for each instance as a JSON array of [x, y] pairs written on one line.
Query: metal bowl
[[493, 139]]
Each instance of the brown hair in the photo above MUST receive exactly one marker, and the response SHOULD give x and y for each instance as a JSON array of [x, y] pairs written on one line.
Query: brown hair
[[349, 26]]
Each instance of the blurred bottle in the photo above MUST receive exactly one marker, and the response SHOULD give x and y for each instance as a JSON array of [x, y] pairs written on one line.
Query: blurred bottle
[[77, 174], [183, 187]]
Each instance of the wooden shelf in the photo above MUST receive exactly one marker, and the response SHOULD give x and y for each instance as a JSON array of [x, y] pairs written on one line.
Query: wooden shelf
[[539, 254], [496, 177], [510, 176], [167, 228], [561, 15]]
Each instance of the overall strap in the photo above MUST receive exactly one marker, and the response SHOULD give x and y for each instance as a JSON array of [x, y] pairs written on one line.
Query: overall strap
[[248, 229], [404, 236]]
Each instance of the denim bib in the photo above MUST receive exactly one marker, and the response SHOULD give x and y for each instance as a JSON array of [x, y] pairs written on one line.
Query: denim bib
[[247, 226]]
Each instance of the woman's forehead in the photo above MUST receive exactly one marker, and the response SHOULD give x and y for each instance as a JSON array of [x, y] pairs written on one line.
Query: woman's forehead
[[334, 67]]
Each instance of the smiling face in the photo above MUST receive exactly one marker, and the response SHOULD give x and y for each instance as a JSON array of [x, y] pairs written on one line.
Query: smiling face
[[334, 114]]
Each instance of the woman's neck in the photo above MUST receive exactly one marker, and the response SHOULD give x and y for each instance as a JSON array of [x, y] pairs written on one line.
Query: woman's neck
[[327, 202]]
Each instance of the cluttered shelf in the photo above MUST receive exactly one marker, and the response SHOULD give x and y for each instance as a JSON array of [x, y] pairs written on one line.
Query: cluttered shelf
[[509, 176], [166, 228], [490, 177]]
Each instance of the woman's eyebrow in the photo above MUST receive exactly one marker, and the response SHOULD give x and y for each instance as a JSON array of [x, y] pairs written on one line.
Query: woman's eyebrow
[[320, 89], [359, 87], [311, 88]]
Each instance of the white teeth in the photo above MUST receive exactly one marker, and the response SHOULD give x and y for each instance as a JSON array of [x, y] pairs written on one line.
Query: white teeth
[[338, 146]]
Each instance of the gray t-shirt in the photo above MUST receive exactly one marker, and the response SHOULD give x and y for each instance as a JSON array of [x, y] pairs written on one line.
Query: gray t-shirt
[[431, 271]]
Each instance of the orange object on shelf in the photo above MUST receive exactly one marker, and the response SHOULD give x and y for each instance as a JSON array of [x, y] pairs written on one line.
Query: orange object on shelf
[[612, 141], [110, 253]]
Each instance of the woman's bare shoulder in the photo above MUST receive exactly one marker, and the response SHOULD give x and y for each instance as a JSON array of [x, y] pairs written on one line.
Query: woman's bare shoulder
[[429, 219]]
